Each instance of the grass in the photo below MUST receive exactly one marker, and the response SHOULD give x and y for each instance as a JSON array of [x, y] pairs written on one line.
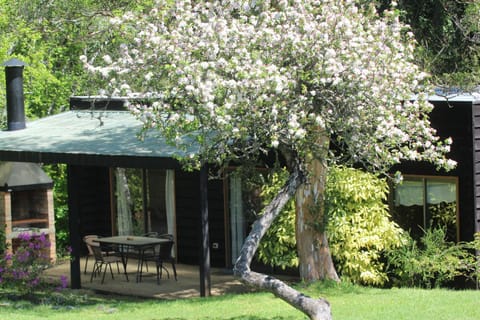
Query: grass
[[348, 302], [353, 302]]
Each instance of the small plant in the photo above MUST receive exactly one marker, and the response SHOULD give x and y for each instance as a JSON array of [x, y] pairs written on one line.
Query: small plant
[[22, 270], [474, 262], [432, 262], [3, 238]]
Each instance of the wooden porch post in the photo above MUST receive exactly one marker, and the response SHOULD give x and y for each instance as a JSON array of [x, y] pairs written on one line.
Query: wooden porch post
[[146, 222], [73, 223], [205, 284]]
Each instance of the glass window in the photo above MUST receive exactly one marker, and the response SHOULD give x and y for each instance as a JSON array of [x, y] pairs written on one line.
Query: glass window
[[423, 202], [144, 201]]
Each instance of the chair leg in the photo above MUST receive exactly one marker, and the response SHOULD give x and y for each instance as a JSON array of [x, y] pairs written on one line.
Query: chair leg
[[86, 262], [94, 271], [146, 264], [140, 273], [174, 270], [168, 272], [162, 267], [91, 277], [111, 271], [104, 272]]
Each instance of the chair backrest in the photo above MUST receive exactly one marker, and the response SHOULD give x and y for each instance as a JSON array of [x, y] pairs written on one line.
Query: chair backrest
[[152, 234], [90, 243], [166, 236], [165, 251], [97, 253]]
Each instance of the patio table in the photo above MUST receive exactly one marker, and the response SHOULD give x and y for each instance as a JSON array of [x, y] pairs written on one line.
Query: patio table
[[137, 243]]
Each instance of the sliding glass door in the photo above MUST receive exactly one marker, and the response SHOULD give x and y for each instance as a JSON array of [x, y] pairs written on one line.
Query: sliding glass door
[[144, 201]]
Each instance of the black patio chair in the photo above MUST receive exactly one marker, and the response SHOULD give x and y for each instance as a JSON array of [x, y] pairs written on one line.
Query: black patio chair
[[148, 251], [101, 260], [162, 255], [88, 243]]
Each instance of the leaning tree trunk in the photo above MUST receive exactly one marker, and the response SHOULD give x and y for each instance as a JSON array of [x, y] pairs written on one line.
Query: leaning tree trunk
[[315, 260], [316, 309]]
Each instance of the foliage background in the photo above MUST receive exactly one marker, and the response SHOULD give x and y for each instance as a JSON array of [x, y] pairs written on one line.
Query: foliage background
[[448, 34], [358, 225], [50, 36]]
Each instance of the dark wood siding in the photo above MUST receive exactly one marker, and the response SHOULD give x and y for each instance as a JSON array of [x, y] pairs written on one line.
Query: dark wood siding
[[92, 199], [454, 120], [187, 190], [476, 160]]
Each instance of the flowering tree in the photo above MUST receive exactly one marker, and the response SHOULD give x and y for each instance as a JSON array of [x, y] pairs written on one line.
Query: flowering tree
[[314, 81]]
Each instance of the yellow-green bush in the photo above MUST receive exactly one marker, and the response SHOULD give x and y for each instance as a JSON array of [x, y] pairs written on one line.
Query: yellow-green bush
[[278, 246], [359, 225]]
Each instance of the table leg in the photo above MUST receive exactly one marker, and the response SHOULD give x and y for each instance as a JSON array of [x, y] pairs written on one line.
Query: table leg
[[140, 264], [141, 257], [124, 258]]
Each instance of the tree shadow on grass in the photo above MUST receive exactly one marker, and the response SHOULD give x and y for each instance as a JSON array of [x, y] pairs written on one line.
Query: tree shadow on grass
[[240, 318], [55, 299]]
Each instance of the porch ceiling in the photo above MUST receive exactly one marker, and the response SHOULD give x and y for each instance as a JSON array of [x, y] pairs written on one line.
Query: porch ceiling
[[87, 137]]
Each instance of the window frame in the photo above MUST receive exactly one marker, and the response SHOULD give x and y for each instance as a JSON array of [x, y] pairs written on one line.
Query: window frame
[[423, 179]]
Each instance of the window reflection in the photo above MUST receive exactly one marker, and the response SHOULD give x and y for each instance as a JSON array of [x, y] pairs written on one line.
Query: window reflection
[[144, 201], [424, 202]]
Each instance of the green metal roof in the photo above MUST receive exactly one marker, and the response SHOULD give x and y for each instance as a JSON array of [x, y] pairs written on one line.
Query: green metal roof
[[90, 138]]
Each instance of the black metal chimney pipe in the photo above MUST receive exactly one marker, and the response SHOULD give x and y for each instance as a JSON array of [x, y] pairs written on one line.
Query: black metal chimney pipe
[[15, 99]]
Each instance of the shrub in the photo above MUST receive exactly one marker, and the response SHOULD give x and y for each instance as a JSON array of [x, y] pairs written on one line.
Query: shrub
[[432, 262], [359, 225], [278, 246], [22, 270], [3, 239], [367, 247], [475, 245]]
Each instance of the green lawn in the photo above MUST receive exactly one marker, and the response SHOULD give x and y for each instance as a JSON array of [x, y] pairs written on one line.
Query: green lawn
[[348, 302]]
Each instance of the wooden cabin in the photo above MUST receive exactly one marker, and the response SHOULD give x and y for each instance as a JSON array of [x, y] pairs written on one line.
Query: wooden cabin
[[429, 197], [98, 140]]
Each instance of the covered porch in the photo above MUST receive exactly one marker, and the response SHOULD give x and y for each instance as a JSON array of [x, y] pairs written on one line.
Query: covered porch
[[222, 282], [92, 139]]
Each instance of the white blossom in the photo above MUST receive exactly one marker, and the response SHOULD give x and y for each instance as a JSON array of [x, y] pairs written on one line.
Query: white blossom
[[107, 59], [277, 73]]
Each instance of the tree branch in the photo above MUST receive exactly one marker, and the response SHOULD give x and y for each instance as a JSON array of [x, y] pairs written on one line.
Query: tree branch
[[317, 309]]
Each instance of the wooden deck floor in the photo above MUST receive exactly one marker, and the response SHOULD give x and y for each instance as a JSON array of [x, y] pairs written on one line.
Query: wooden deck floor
[[187, 286]]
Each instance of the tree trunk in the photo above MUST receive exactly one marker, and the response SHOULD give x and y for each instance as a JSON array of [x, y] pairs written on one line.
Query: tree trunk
[[316, 309], [124, 200], [315, 260]]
